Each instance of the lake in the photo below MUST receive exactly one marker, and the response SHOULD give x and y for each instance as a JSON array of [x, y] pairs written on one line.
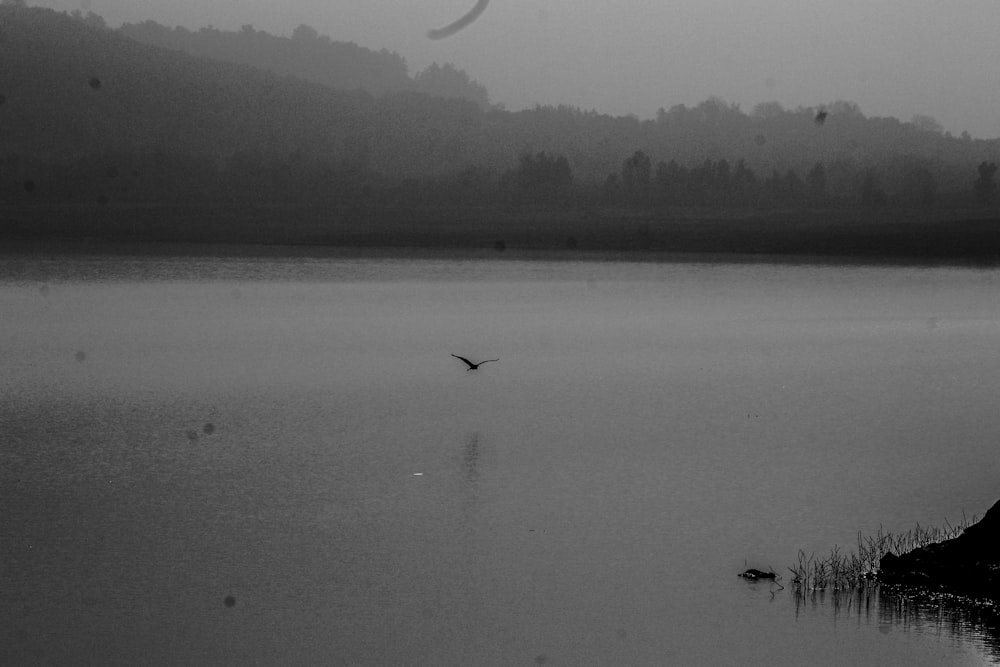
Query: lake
[[266, 460]]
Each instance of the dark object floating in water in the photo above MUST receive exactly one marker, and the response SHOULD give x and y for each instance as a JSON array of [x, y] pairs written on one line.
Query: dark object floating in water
[[500, 246], [472, 366], [80, 356], [29, 186], [230, 601], [754, 573], [95, 83], [192, 435], [208, 428], [452, 28], [3, 98], [820, 117]]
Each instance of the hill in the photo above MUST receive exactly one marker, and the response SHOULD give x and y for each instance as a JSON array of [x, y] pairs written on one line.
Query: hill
[[89, 115], [313, 57]]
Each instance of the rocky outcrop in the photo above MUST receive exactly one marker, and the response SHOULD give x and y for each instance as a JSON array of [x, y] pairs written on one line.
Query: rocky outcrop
[[968, 564]]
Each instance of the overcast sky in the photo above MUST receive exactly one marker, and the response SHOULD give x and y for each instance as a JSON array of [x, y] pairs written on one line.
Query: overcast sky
[[892, 57]]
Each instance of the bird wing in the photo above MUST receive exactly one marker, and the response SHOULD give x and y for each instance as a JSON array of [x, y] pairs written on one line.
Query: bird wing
[[488, 360], [470, 364]]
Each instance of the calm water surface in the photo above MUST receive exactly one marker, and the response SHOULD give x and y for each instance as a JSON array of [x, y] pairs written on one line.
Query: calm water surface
[[276, 461]]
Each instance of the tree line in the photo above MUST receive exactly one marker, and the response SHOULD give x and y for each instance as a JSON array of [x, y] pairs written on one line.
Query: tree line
[[540, 178], [91, 114]]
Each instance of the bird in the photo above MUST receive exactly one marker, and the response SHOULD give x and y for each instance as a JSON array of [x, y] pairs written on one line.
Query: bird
[[472, 366]]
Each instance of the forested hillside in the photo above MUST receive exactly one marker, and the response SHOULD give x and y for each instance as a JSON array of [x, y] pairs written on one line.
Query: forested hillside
[[313, 57], [86, 109]]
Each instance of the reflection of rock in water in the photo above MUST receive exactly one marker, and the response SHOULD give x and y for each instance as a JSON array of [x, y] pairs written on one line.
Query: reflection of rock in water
[[959, 617], [890, 608], [470, 457]]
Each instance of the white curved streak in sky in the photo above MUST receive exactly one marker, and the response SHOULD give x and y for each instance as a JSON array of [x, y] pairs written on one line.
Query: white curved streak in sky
[[452, 28]]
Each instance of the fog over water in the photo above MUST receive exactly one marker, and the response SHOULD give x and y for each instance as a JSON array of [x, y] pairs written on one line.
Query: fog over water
[[892, 57], [278, 461]]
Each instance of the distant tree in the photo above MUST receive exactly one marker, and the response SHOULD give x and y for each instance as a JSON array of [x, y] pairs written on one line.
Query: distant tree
[[636, 172], [90, 18], [918, 186], [792, 186], [612, 186], [14, 3], [871, 193], [845, 109], [816, 182], [449, 81], [305, 33], [744, 181], [926, 124], [723, 181], [767, 110], [541, 173], [985, 187]]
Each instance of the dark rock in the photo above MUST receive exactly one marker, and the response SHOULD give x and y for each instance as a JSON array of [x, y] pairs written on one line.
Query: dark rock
[[754, 573], [968, 564]]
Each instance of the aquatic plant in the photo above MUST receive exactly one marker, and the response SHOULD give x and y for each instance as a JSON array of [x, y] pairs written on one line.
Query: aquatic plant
[[841, 570]]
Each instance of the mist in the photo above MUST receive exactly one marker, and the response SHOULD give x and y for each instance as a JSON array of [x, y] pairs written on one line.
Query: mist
[[892, 58]]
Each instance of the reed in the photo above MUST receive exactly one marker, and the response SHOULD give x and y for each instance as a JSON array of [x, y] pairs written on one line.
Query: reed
[[841, 570]]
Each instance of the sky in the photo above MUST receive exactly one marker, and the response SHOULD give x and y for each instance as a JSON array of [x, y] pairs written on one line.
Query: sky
[[892, 57]]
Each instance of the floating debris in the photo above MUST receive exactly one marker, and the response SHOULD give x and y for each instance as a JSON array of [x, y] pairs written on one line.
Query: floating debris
[[80, 356], [192, 435], [230, 601], [95, 83], [754, 573], [208, 429]]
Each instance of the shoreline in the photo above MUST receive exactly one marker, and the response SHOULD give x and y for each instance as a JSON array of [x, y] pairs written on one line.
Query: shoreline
[[826, 236]]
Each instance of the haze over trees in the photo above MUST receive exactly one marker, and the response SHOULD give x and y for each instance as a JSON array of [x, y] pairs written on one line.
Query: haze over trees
[[214, 116], [313, 57]]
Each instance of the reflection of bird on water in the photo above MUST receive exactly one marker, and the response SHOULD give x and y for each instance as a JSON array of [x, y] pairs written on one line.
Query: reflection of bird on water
[[452, 28], [472, 366]]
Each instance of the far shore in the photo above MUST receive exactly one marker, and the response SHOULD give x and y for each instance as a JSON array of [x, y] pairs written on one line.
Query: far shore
[[835, 235]]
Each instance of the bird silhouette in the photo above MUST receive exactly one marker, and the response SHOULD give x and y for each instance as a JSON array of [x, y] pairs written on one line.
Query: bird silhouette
[[472, 366]]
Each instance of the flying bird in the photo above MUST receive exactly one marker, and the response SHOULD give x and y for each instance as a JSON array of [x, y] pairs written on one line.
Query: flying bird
[[472, 366], [452, 28]]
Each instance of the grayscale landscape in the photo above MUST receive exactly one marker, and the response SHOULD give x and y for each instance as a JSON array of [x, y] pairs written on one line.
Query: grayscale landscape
[[496, 333]]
